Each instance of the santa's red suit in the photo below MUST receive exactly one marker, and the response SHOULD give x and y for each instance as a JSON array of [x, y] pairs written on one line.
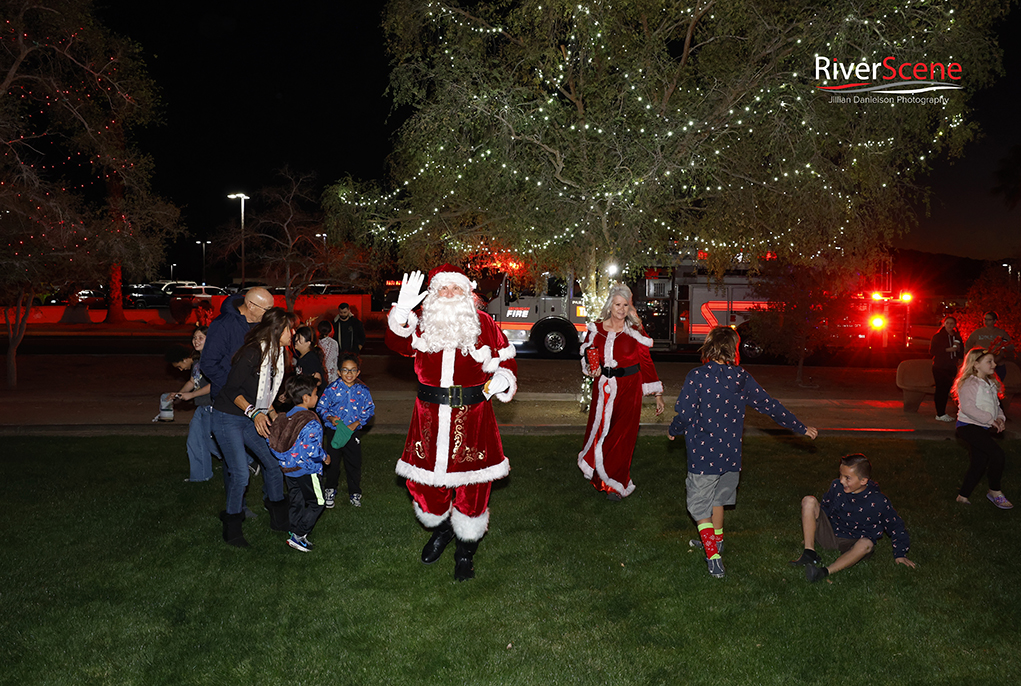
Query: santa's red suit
[[454, 453], [627, 375]]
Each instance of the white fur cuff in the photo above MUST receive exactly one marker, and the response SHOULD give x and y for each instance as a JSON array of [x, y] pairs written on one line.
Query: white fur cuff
[[469, 529], [652, 388], [430, 521]]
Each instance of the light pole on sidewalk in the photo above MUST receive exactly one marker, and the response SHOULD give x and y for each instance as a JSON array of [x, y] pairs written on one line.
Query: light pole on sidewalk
[[172, 271], [242, 197], [204, 244]]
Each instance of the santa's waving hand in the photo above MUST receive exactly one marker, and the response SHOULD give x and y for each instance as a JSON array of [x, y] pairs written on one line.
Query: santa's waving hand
[[453, 452]]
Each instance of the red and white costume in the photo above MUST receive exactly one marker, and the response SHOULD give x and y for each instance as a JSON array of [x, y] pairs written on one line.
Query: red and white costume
[[453, 454], [616, 406]]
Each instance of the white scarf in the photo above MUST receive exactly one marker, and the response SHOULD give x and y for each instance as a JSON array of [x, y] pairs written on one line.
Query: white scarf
[[269, 379]]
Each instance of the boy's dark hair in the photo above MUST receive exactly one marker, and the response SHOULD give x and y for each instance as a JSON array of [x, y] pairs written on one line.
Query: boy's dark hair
[[297, 387], [343, 306], [325, 328], [859, 463], [721, 343], [349, 357], [992, 314], [179, 353]]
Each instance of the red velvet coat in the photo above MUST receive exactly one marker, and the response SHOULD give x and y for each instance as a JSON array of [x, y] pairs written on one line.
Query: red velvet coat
[[455, 446], [616, 405]]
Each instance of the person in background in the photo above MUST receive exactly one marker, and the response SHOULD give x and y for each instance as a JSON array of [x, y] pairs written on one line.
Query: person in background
[[979, 417], [330, 349], [946, 350], [995, 340], [308, 356], [200, 444], [350, 332]]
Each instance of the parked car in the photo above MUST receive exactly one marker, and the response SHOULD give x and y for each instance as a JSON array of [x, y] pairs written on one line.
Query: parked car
[[195, 293], [145, 295], [167, 286]]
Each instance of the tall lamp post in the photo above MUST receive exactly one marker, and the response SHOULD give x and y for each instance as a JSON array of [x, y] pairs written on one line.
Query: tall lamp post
[[204, 244], [242, 197], [172, 270]]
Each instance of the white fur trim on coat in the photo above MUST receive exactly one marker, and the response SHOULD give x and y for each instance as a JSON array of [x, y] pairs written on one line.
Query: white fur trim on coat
[[652, 388], [605, 412], [452, 479], [512, 388], [402, 330], [469, 529]]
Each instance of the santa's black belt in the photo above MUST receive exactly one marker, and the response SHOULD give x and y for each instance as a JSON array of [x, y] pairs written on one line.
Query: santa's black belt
[[455, 396], [620, 371]]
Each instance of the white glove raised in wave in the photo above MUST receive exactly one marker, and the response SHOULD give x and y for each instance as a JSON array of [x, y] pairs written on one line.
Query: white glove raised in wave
[[410, 296]]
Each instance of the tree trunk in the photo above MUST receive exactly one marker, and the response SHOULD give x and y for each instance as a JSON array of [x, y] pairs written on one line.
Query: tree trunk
[[115, 300], [16, 332]]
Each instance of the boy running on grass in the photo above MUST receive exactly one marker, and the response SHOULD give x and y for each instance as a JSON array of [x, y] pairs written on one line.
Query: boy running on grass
[[710, 414], [296, 440], [853, 515]]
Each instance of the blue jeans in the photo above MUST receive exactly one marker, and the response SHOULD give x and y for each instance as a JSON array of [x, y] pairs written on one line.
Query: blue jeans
[[201, 444], [234, 433]]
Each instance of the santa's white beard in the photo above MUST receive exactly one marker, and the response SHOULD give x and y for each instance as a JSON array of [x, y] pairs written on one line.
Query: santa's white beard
[[449, 323]]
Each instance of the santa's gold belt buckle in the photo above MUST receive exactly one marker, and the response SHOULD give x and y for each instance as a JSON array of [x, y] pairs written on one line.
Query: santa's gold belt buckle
[[455, 396]]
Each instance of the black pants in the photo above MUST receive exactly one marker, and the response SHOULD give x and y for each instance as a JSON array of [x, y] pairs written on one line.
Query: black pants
[[986, 457], [306, 502], [351, 455], [944, 379]]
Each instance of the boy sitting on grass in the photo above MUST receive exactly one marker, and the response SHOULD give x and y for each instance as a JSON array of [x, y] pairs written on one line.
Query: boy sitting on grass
[[296, 440], [853, 515]]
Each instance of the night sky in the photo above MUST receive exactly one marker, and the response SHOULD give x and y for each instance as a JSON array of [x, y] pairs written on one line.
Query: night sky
[[249, 87]]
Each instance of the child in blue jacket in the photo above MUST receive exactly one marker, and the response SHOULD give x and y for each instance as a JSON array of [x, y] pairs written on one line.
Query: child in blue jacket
[[710, 414], [346, 406], [296, 440]]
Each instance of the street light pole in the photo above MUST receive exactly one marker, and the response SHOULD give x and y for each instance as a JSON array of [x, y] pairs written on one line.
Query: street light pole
[[204, 244], [172, 271], [242, 197]]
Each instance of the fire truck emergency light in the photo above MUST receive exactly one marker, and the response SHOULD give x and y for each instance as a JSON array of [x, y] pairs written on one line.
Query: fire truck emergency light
[[876, 295], [905, 297], [878, 322]]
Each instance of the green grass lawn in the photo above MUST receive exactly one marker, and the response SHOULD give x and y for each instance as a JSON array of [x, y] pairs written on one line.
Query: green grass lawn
[[114, 572]]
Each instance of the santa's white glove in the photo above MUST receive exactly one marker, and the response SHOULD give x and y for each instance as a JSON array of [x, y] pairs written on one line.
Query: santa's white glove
[[410, 296], [497, 384]]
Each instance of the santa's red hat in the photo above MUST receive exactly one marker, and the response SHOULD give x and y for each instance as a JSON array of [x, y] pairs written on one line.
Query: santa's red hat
[[449, 275]]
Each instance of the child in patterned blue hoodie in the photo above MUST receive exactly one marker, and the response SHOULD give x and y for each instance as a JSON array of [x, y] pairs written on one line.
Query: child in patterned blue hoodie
[[346, 406], [852, 516], [710, 414], [296, 440]]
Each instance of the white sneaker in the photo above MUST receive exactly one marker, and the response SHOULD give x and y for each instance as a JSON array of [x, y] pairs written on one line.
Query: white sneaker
[[944, 418]]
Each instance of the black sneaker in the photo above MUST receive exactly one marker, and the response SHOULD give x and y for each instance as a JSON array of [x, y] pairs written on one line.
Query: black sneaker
[[813, 573], [809, 557]]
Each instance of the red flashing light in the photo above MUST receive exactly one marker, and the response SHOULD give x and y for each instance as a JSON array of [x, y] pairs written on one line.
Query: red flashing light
[[878, 322], [876, 295], [906, 297]]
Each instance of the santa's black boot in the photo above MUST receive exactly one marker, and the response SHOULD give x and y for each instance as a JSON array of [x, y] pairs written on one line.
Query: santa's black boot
[[463, 567], [442, 535]]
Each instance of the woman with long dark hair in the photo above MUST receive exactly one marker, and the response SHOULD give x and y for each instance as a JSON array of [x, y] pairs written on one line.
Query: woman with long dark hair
[[242, 415]]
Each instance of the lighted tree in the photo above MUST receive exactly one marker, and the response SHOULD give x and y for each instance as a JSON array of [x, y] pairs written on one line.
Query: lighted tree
[[289, 240], [74, 193], [583, 133]]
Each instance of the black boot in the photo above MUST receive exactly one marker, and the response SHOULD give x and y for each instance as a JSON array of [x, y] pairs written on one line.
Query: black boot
[[279, 519], [442, 535], [232, 534], [463, 567]]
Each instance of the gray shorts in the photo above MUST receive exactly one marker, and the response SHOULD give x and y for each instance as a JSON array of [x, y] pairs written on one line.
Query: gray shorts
[[827, 539], [706, 491]]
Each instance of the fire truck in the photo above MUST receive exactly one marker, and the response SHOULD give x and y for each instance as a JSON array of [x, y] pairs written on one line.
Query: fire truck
[[678, 307]]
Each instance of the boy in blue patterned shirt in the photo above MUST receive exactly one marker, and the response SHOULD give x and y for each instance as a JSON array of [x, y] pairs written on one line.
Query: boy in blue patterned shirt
[[710, 414], [853, 515], [346, 406], [296, 440]]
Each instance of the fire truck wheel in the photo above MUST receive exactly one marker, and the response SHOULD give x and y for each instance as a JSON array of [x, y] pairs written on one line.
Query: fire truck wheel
[[553, 341]]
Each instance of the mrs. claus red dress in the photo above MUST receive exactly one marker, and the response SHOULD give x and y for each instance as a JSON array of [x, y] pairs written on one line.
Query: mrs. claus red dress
[[616, 406]]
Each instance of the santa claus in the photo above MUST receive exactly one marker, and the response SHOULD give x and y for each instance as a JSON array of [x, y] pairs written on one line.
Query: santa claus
[[453, 453]]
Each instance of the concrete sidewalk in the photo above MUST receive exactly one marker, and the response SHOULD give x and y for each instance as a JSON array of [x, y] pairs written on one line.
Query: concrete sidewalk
[[89, 395]]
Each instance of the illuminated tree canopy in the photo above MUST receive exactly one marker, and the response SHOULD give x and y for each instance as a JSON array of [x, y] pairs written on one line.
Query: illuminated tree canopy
[[575, 133]]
